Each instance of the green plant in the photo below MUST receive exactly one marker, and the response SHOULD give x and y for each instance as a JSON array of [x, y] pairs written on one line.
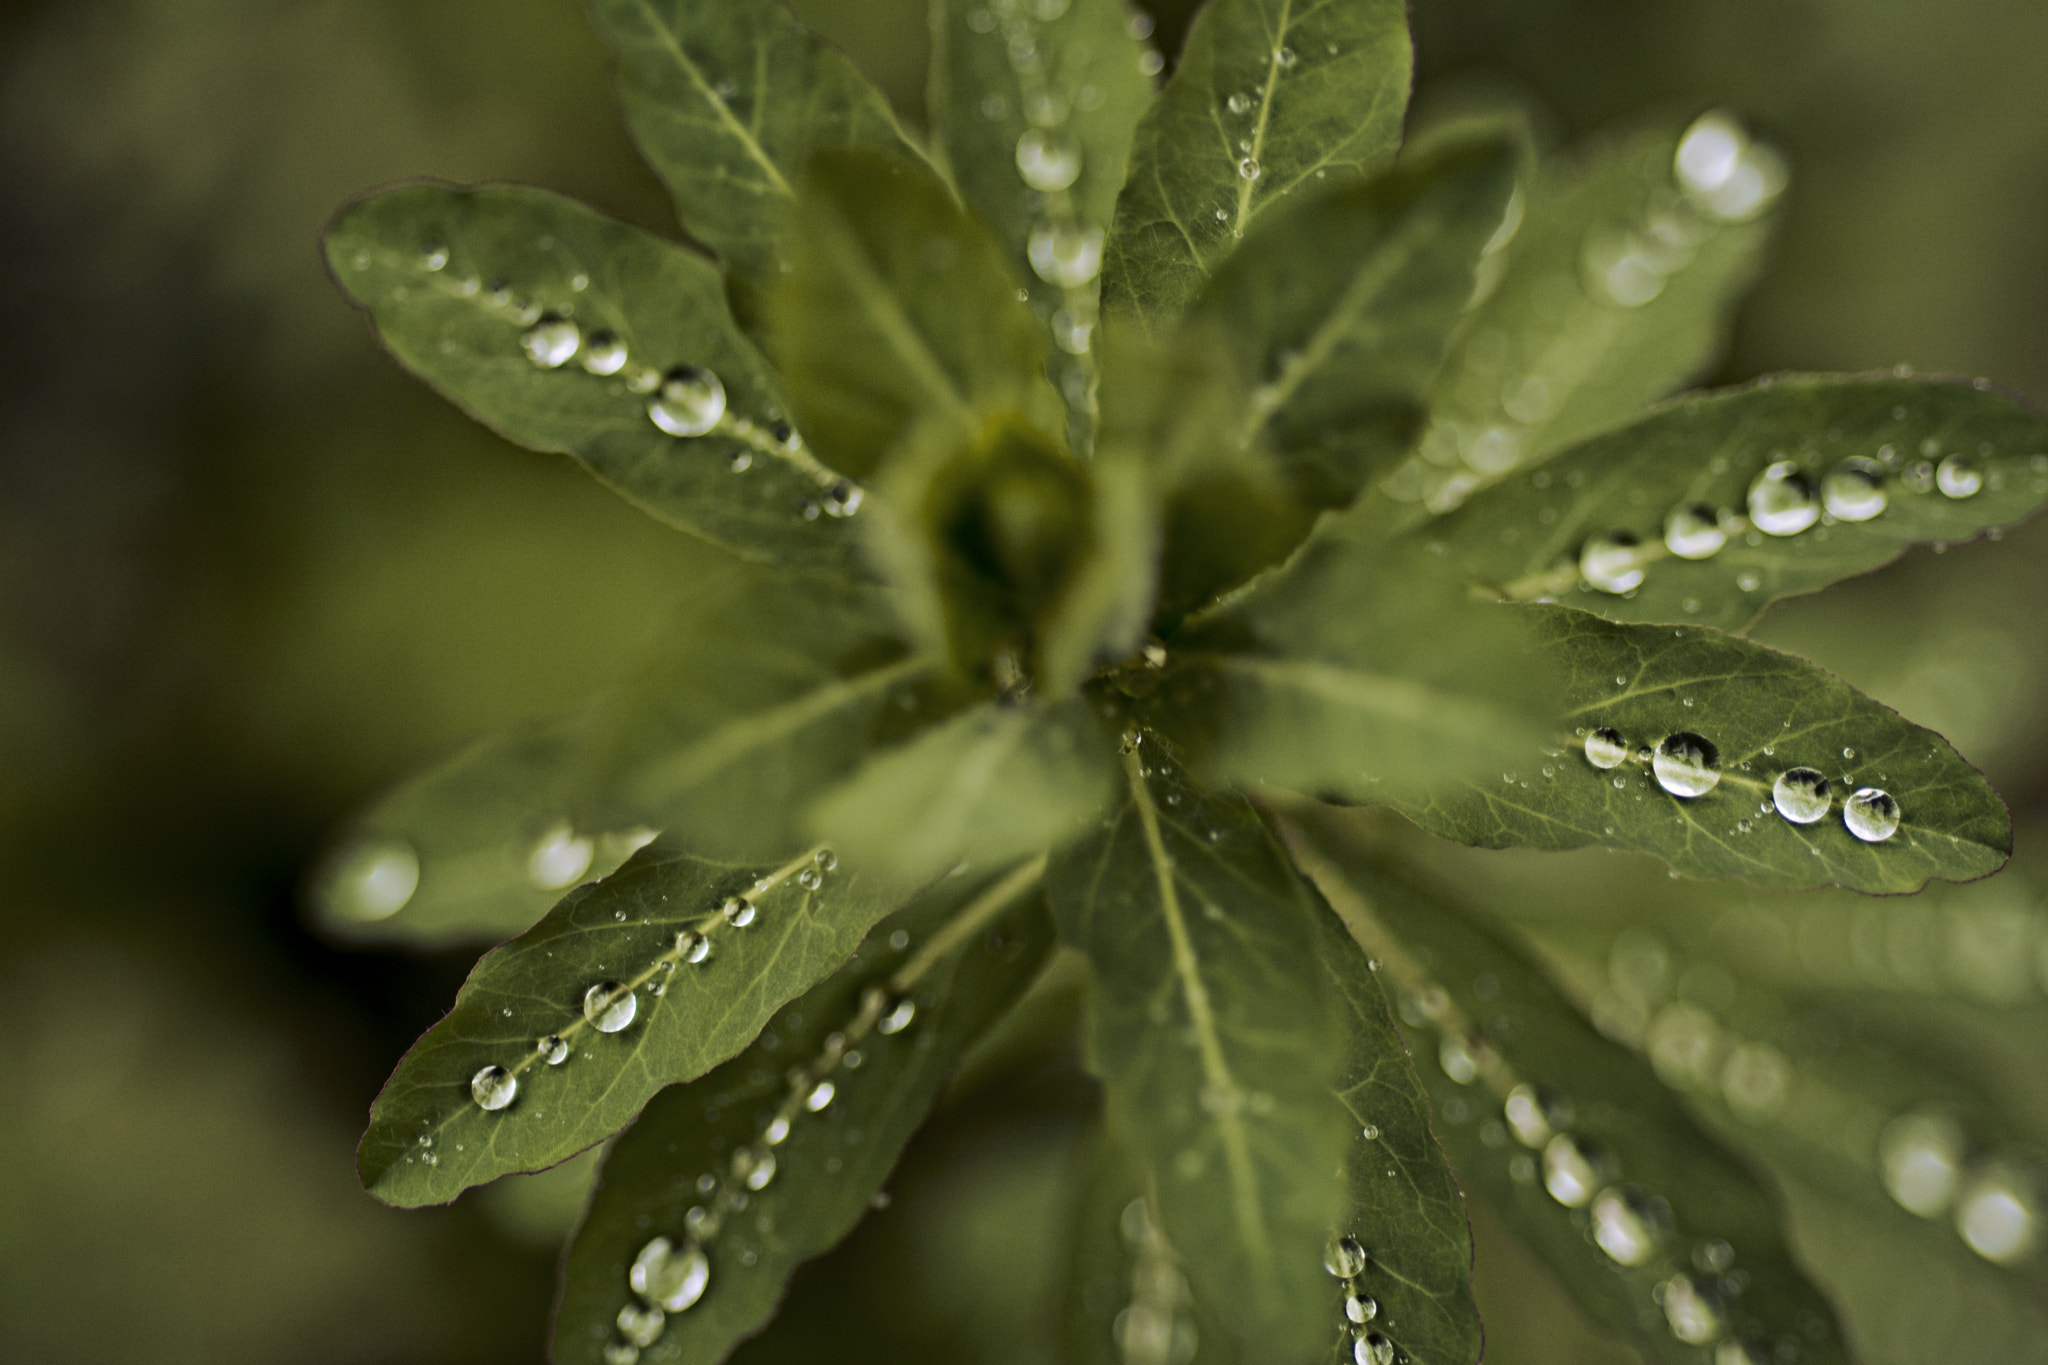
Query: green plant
[[1101, 470]]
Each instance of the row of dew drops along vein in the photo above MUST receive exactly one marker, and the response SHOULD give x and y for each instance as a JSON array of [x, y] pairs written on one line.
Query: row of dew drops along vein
[[1718, 178], [686, 401], [376, 879], [668, 1276], [1922, 1156]]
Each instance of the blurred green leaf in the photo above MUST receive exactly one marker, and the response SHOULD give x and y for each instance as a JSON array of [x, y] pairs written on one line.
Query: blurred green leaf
[[1270, 97], [759, 1170], [605, 983], [900, 310], [729, 102], [1571, 1140], [1350, 669], [1739, 717], [1717, 506], [1338, 307], [1217, 1039], [993, 783], [555, 326]]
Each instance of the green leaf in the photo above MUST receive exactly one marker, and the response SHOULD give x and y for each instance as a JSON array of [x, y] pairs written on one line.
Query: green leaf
[[729, 102], [1338, 307], [900, 311], [1875, 463], [1763, 714], [465, 286], [971, 949], [1270, 97], [609, 949], [1214, 1031], [1615, 292], [1570, 1139], [1352, 668], [1033, 117], [993, 783], [477, 847]]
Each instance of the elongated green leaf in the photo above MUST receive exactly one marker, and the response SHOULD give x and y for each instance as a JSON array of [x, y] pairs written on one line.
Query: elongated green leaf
[[771, 689], [1573, 1141], [1270, 97], [478, 847], [1615, 292], [604, 983], [1214, 1030], [1352, 669], [554, 326], [1717, 506], [1338, 307], [993, 783], [1033, 117], [867, 1081], [729, 102], [1761, 715], [900, 310]]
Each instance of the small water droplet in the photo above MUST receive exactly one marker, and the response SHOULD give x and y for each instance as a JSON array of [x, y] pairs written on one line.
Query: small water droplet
[[843, 498], [558, 859], [739, 912], [1345, 1257], [1372, 1349], [493, 1088], [690, 402], [672, 1278], [1871, 815], [1606, 748], [1612, 562], [1625, 1225], [604, 354], [758, 1170], [1692, 1312], [1694, 532], [1361, 1307], [1533, 1113], [1781, 501], [820, 1096], [609, 1006], [1854, 490], [1065, 255], [1283, 57], [1048, 160], [1371, 1131], [1248, 168], [897, 1019], [551, 343], [1920, 1156], [1801, 795], [1748, 582], [621, 1353], [640, 1324], [1687, 765], [1958, 477], [810, 879], [553, 1049], [375, 880], [1570, 1172], [1723, 172], [1455, 1056], [1240, 103], [1996, 1216]]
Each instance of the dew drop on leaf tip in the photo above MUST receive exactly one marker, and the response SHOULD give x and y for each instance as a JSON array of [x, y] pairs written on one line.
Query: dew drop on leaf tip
[[493, 1088], [609, 1006], [690, 401]]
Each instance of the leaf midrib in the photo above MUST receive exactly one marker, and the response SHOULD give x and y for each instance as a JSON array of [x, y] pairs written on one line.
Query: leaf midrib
[[738, 130]]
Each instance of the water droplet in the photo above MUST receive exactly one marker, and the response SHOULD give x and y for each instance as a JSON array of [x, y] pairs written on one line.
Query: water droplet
[[1283, 57], [558, 859], [1694, 532], [1606, 748], [843, 498], [493, 1088], [1781, 501], [553, 1049], [1996, 1216], [1248, 168], [810, 879], [1686, 765], [1345, 1257], [609, 1006], [1064, 255], [897, 1019], [739, 912], [1692, 1312], [759, 1168], [1920, 1156], [1871, 815], [1569, 1172], [621, 1353], [640, 1324], [1048, 160], [690, 402], [1624, 1225], [604, 354], [1151, 62], [673, 1279], [1533, 1113], [551, 343], [1854, 490], [1372, 1349], [1801, 795], [1748, 582], [1371, 1131], [820, 1096], [1240, 103], [1361, 1307], [375, 880], [1958, 477], [1611, 562], [1723, 172]]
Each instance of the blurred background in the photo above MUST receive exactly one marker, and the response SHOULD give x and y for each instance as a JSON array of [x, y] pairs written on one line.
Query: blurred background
[[250, 573]]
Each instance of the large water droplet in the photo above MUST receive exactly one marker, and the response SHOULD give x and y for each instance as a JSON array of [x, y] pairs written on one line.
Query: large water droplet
[[810, 879], [553, 1049], [1725, 174], [1624, 1225], [434, 258], [1569, 1172], [1958, 477], [1533, 1112], [609, 1006], [1692, 1312], [1854, 489], [1781, 501], [1686, 765], [1064, 255], [1612, 562], [843, 498], [689, 403], [1248, 168], [551, 343], [641, 1324], [1240, 103], [1920, 1156], [691, 946], [674, 1279], [739, 912], [1345, 1257], [820, 1096], [1801, 795], [1361, 1307], [1606, 749], [1996, 1216], [1048, 160], [1372, 1349], [1694, 532], [604, 354], [558, 859], [757, 1169], [1871, 815], [897, 1019], [1455, 1056], [374, 881], [493, 1088]]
